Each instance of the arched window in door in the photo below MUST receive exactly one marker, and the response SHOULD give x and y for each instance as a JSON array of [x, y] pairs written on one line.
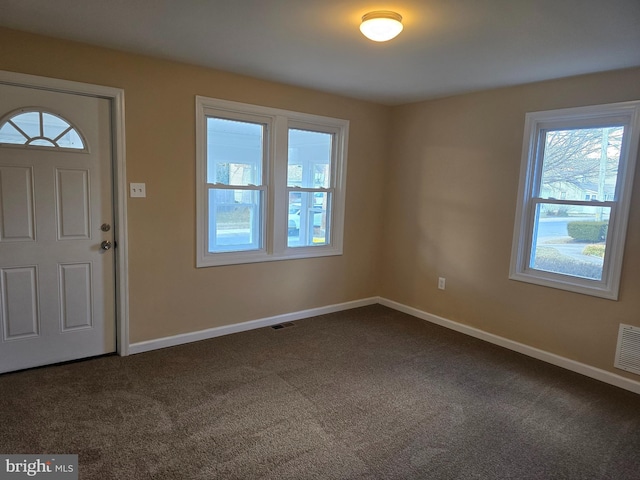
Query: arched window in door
[[36, 127]]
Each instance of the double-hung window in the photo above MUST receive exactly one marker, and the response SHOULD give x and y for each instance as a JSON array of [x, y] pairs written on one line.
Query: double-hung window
[[310, 192], [573, 202], [270, 183], [236, 154]]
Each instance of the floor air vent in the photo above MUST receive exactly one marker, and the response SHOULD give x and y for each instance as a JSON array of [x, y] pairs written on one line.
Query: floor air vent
[[283, 325], [628, 351]]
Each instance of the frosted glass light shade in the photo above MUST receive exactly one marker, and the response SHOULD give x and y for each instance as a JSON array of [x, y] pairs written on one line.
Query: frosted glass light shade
[[381, 26]]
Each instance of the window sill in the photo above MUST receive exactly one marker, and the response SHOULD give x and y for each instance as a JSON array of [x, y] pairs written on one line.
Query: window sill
[[221, 259], [563, 282]]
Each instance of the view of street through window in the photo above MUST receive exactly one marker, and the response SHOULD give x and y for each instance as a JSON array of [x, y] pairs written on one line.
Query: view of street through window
[[557, 251], [575, 201]]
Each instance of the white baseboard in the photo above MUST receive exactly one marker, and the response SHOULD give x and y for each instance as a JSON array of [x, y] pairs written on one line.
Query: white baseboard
[[587, 370], [552, 358], [180, 339]]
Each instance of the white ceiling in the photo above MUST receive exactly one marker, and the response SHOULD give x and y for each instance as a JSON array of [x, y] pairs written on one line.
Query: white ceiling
[[447, 46]]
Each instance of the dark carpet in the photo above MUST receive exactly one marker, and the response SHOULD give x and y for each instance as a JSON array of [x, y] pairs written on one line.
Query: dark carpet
[[368, 393]]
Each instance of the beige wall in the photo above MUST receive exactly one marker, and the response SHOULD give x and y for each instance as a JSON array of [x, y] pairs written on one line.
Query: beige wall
[[447, 172], [452, 183], [168, 295]]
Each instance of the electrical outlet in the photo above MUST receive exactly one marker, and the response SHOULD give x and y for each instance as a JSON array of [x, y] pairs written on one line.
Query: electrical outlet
[[441, 281], [137, 190]]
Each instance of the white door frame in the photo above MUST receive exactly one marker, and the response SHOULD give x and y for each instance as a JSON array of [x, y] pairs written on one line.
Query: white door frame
[[116, 99]]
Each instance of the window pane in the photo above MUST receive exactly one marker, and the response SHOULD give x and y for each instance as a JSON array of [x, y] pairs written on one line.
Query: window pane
[[570, 240], [53, 126], [581, 164], [309, 159], [29, 123], [309, 219], [42, 142], [234, 152], [234, 220], [9, 134], [71, 139]]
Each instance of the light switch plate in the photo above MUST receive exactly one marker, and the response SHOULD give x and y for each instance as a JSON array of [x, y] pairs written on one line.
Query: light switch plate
[[137, 190]]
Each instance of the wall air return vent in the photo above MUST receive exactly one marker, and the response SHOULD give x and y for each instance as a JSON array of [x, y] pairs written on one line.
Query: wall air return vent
[[628, 351]]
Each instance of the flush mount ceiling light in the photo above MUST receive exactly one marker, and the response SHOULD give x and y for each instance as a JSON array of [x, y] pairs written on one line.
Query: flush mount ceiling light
[[381, 26]]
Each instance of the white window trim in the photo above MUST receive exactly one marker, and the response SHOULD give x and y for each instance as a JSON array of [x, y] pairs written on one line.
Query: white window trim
[[575, 117], [275, 201]]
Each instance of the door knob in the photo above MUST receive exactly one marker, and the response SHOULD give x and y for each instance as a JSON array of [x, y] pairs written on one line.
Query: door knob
[[106, 245]]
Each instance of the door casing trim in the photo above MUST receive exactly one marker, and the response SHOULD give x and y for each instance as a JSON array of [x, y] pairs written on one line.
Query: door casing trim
[[116, 99]]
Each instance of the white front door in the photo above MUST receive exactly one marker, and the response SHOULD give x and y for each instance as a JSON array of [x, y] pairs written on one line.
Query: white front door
[[57, 281]]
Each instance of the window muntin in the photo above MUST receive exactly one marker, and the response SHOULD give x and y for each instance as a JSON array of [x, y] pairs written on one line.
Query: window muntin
[[41, 129], [565, 237], [294, 171]]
